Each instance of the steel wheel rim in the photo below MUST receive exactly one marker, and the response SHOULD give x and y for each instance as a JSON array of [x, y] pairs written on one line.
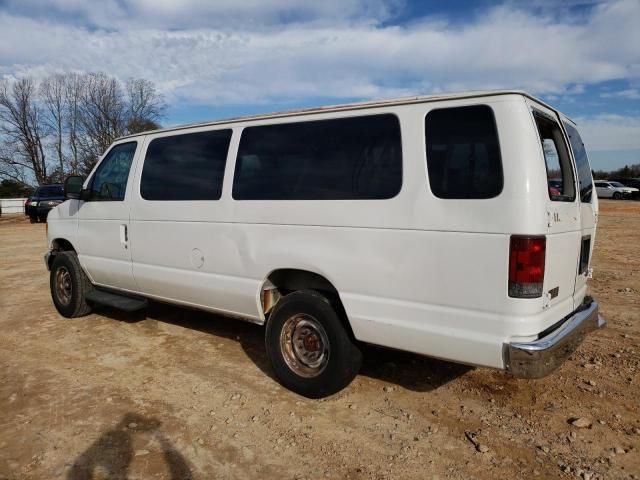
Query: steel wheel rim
[[304, 345], [63, 285]]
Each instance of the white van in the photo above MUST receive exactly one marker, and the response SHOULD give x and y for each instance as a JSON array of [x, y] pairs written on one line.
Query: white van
[[426, 224]]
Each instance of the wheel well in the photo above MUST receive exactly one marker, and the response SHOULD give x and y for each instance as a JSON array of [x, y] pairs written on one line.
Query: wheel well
[[60, 245], [286, 280]]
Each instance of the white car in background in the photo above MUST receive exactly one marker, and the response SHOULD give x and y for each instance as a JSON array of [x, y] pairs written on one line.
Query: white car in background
[[607, 189]]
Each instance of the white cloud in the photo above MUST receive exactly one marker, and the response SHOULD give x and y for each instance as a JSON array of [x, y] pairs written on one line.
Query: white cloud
[[330, 49], [610, 132], [219, 14], [630, 93]]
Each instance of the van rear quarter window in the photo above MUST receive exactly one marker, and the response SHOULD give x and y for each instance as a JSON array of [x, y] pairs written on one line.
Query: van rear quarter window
[[463, 153], [352, 158], [185, 167]]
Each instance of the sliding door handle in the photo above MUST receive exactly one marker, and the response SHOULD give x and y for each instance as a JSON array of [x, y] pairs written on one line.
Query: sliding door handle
[[124, 235]]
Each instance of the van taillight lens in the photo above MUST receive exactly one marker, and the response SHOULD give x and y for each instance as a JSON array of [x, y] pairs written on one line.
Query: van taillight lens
[[526, 266]]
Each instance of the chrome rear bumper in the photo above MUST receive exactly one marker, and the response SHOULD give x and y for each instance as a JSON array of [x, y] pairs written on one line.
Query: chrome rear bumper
[[539, 358]]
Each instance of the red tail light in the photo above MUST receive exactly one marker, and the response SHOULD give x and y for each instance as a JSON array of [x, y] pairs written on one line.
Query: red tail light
[[526, 266]]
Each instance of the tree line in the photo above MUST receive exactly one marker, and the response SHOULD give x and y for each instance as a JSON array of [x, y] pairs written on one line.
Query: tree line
[[60, 125], [627, 171]]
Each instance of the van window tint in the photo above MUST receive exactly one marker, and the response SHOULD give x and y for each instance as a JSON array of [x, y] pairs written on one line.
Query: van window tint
[[463, 153], [585, 180], [185, 167], [109, 183], [338, 159], [560, 180]]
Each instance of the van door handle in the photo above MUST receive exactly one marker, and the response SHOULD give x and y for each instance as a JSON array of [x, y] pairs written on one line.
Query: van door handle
[[124, 237]]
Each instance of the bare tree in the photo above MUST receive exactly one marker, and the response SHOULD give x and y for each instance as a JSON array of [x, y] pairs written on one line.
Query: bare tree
[[145, 105], [53, 90], [21, 127], [74, 85], [73, 116], [9, 168], [103, 114]]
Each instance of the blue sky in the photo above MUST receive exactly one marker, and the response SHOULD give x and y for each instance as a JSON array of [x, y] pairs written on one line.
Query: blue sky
[[214, 59]]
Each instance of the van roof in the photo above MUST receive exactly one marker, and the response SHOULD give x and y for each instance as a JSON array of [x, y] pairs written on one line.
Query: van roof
[[350, 106]]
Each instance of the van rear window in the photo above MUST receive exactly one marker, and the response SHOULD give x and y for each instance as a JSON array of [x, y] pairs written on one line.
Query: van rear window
[[463, 153], [560, 180], [352, 158]]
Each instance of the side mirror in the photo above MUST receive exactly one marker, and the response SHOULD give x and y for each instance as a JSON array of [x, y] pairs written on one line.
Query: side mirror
[[73, 186]]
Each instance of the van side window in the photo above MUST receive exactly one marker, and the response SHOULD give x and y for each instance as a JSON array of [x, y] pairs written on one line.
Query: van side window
[[582, 163], [185, 167], [337, 159], [463, 153], [109, 183], [560, 180]]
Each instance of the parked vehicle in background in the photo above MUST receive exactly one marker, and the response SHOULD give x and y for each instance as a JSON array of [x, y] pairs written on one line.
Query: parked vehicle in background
[[555, 187], [423, 224], [43, 200], [630, 182], [27, 206], [615, 190]]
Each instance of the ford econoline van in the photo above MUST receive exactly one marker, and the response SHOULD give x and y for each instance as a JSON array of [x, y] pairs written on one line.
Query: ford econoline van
[[455, 226]]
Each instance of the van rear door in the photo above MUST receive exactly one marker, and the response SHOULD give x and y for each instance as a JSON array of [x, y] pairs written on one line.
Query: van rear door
[[564, 231], [588, 208]]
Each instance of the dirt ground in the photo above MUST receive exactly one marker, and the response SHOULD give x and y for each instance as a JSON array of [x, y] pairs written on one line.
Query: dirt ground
[[174, 393]]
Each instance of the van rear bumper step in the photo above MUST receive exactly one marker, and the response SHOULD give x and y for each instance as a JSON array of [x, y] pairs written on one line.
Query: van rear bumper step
[[116, 300], [541, 357]]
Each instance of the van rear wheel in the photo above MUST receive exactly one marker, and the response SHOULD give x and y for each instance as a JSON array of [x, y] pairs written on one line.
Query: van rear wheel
[[308, 346], [69, 285]]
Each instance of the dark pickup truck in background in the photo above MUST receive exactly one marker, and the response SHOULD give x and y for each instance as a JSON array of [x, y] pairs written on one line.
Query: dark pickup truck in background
[[44, 199]]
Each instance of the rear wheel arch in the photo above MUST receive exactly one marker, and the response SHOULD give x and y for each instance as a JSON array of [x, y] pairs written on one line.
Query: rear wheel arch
[[282, 281]]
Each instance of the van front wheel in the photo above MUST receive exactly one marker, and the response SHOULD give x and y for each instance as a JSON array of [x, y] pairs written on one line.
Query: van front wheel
[[69, 285], [617, 195], [308, 346]]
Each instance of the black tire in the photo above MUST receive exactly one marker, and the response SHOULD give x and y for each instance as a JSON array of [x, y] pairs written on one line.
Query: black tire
[[33, 219], [75, 305], [617, 195], [343, 358]]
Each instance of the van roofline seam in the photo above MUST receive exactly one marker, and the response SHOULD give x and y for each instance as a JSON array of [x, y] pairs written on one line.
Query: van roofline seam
[[347, 107]]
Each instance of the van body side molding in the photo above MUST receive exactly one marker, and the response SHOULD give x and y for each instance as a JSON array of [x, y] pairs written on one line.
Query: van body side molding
[[539, 358]]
